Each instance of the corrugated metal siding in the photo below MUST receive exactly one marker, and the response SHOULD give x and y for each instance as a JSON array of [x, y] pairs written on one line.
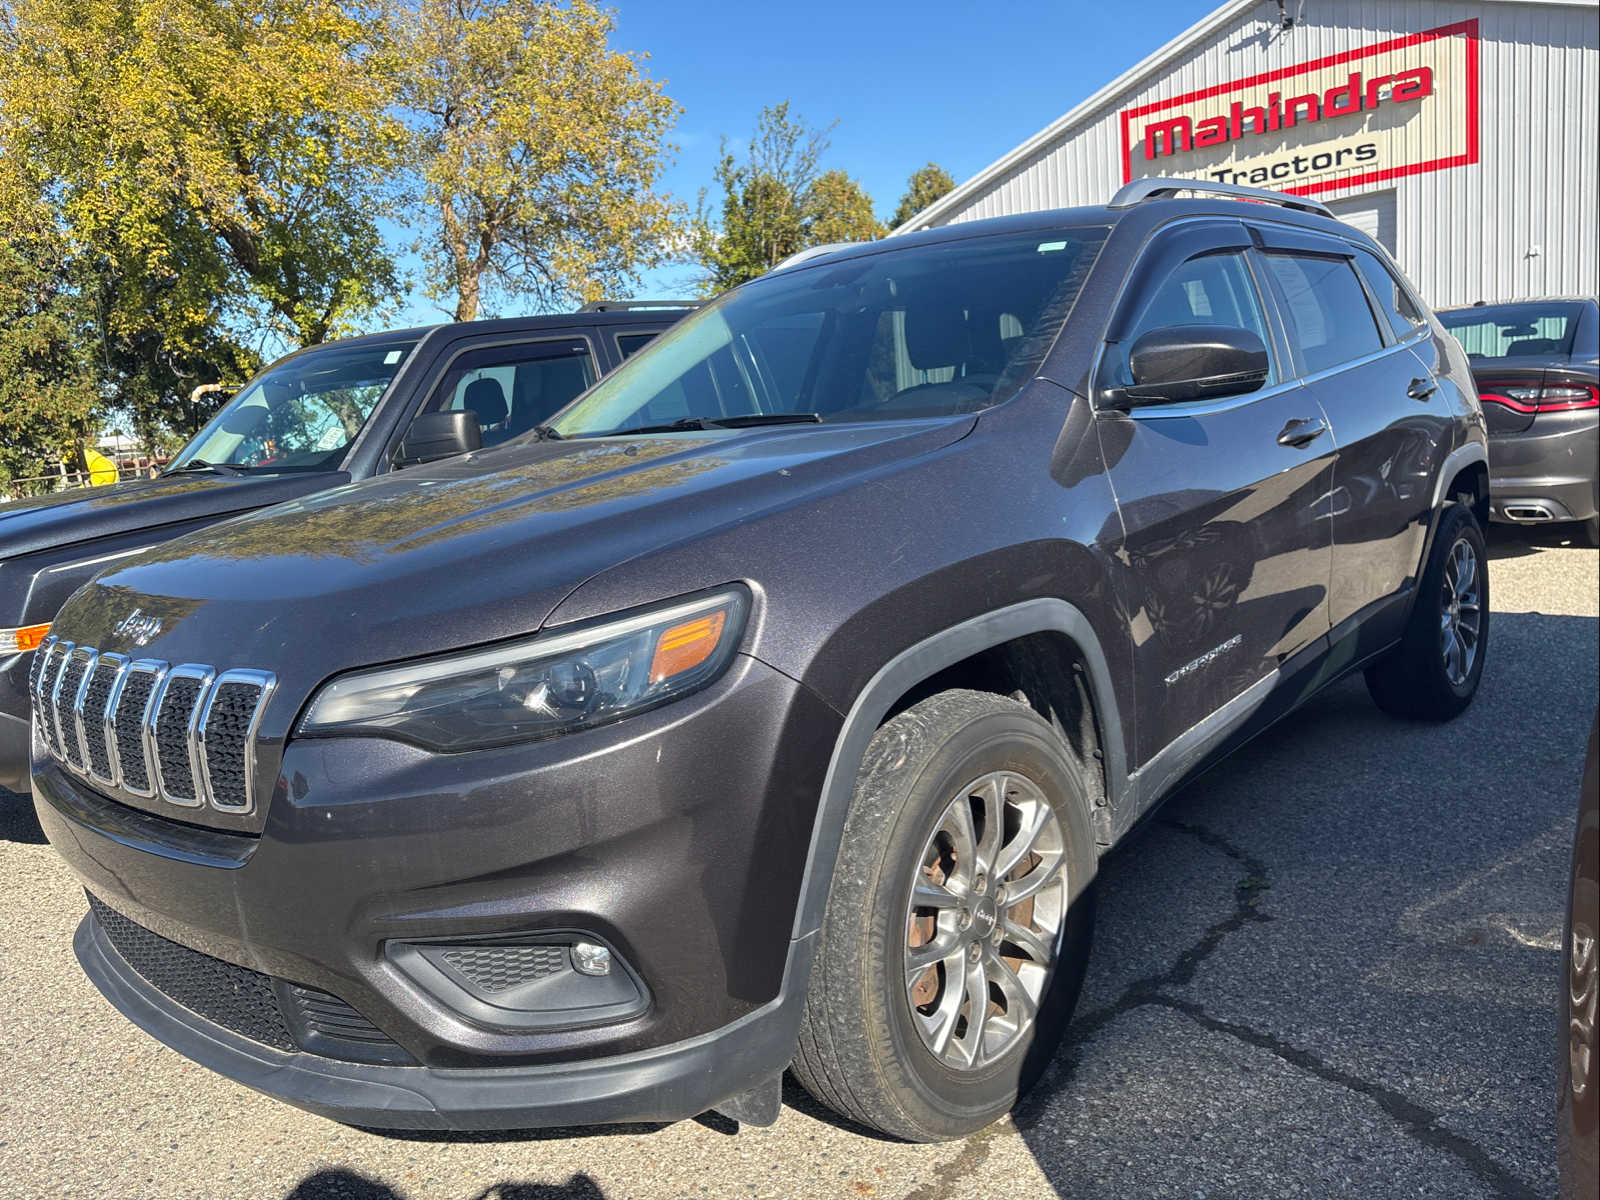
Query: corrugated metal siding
[[1521, 222]]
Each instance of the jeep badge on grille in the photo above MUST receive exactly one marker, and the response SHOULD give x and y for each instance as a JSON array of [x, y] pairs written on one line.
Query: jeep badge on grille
[[137, 627]]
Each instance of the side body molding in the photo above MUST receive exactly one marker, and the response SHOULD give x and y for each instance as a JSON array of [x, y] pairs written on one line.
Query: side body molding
[[910, 667]]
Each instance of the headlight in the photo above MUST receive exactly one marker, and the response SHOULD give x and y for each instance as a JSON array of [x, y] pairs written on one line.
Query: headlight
[[539, 686]]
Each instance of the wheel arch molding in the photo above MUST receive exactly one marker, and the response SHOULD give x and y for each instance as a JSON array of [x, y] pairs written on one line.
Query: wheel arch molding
[[920, 663]]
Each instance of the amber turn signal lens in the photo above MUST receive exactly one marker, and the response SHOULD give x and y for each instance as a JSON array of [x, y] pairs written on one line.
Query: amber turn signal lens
[[686, 645], [20, 641]]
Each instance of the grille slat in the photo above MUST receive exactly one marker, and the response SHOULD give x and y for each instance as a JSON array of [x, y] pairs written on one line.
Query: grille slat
[[66, 699], [173, 714], [95, 697], [129, 723], [51, 675], [185, 734]]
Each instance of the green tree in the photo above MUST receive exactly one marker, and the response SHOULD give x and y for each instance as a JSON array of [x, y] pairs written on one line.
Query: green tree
[[778, 201], [228, 158], [48, 399], [839, 210], [537, 148], [926, 185]]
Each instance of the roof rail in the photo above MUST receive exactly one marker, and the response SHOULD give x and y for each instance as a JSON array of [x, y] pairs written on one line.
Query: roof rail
[[794, 260], [1157, 186], [602, 306]]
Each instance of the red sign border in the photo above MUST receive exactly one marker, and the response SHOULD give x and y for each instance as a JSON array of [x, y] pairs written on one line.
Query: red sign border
[[1469, 28]]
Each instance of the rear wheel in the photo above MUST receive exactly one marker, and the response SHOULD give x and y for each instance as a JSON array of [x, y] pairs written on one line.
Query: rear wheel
[[1434, 672], [958, 922]]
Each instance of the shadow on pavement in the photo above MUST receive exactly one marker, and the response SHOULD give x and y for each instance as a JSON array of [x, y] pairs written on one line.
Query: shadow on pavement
[[18, 823], [349, 1185], [1328, 962], [1520, 541]]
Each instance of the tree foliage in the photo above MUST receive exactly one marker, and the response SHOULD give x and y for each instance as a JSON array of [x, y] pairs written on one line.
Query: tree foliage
[[926, 185], [777, 201], [229, 155], [537, 147], [47, 393]]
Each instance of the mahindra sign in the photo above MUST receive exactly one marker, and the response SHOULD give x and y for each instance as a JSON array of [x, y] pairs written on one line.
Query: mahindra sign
[[1396, 108]]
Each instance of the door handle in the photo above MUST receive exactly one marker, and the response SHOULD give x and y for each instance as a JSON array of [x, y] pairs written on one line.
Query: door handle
[[1421, 389], [1302, 432]]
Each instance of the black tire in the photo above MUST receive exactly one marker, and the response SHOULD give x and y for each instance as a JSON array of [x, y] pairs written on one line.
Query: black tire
[[859, 1052], [1412, 680], [1591, 531]]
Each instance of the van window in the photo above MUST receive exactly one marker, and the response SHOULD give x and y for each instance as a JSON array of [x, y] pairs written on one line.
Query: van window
[[1326, 310], [1398, 309]]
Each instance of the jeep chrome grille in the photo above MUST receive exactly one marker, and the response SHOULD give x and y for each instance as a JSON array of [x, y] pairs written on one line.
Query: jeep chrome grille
[[185, 734]]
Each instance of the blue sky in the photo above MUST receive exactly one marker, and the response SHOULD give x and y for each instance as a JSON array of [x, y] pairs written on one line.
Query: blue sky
[[959, 82]]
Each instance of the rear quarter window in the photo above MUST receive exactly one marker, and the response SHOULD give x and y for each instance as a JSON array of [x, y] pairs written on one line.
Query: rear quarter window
[[1398, 308]]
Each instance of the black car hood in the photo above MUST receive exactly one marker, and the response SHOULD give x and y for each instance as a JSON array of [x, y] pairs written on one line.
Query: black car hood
[[84, 514], [467, 551]]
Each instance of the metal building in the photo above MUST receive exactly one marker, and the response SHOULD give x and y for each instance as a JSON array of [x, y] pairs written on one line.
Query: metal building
[[1461, 135]]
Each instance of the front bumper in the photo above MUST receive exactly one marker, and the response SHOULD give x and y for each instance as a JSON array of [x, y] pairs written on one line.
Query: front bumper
[[1551, 468], [666, 1084], [677, 837]]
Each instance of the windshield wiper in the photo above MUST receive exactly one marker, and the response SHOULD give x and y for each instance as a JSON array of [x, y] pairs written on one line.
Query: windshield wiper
[[200, 464], [742, 421], [545, 433]]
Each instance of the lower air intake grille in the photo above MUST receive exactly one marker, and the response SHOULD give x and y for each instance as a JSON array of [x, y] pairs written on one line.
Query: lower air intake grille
[[234, 997], [245, 1001]]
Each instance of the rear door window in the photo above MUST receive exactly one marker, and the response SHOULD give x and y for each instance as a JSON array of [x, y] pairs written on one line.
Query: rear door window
[[1397, 306], [1329, 319], [630, 344]]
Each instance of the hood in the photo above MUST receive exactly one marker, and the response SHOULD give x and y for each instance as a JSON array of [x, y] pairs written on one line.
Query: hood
[[85, 514], [466, 551]]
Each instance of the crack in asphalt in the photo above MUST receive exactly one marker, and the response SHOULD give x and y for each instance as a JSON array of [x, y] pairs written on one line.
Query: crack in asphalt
[[1420, 1123], [1416, 1121]]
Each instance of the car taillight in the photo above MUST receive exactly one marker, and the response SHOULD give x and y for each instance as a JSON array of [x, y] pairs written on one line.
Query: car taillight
[[1556, 397]]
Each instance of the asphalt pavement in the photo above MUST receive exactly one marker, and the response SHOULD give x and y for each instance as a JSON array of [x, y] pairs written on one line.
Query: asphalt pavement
[[1327, 968]]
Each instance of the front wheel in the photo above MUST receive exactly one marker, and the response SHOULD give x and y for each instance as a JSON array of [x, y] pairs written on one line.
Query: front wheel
[[1433, 674], [958, 922]]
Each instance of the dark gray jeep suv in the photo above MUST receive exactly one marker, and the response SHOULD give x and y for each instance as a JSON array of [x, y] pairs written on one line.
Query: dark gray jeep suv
[[772, 705]]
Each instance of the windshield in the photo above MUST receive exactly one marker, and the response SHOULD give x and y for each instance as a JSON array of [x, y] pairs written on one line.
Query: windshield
[[1538, 329], [302, 413], [930, 330]]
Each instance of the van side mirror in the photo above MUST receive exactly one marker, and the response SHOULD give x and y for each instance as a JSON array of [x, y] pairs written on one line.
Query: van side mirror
[[1192, 362], [436, 435]]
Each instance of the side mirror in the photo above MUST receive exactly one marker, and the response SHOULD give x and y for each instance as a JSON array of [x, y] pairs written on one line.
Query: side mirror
[[1192, 362], [438, 435]]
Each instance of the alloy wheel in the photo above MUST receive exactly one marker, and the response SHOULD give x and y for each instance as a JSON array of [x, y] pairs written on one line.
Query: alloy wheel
[[1461, 612], [988, 905]]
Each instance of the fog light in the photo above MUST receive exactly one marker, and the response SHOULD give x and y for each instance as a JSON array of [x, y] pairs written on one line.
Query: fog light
[[591, 959]]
